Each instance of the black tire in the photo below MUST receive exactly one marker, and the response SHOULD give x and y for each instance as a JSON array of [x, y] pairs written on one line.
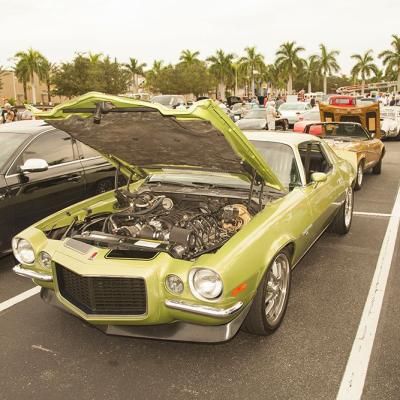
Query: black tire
[[341, 225], [359, 176], [377, 169], [256, 321]]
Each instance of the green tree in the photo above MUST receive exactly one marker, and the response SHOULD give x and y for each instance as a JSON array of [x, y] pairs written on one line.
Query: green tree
[[32, 61], [136, 69], [22, 74], [364, 67], [189, 57], [221, 68], [391, 59], [153, 74], [310, 71], [289, 62], [47, 70], [328, 63], [252, 63]]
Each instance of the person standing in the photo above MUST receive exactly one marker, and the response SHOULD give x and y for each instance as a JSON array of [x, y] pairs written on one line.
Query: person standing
[[271, 115]]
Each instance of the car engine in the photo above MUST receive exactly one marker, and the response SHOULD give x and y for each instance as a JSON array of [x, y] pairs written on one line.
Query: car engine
[[185, 225]]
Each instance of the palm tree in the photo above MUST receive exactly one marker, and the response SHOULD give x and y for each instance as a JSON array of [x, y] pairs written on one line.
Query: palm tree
[[22, 74], [391, 58], [94, 58], [135, 69], [328, 63], [252, 63], [48, 69], [289, 62], [31, 62], [310, 70], [189, 57], [221, 68], [364, 67]]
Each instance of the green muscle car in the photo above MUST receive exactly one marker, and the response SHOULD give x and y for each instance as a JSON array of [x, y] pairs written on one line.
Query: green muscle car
[[202, 239]]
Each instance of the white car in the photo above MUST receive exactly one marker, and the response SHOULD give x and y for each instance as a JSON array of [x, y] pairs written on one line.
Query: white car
[[292, 111], [390, 121]]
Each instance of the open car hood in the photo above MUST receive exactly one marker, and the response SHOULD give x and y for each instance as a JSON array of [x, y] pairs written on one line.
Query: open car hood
[[138, 135]]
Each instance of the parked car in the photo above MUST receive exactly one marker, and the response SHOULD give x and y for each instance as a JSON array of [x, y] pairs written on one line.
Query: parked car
[[42, 170], [170, 101], [292, 111], [310, 116], [351, 136], [390, 122], [257, 119], [203, 241]]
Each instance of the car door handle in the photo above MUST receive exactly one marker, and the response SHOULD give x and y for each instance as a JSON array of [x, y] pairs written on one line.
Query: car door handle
[[75, 178]]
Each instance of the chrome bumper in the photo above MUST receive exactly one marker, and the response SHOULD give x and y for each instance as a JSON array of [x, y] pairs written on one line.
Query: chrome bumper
[[27, 273], [204, 310]]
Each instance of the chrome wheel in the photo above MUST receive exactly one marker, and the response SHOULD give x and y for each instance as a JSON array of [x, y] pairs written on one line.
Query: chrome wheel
[[348, 207], [277, 288], [360, 175]]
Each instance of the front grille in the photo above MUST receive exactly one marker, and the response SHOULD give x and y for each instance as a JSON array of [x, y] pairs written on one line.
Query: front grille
[[103, 295]]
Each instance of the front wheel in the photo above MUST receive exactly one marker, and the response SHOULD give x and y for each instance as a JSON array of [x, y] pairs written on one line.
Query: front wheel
[[360, 176], [377, 169], [342, 222], [270, 303]]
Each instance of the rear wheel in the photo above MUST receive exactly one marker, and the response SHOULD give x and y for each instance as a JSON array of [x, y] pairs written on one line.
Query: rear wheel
[[360, 176], [342, 222], [270, 303]]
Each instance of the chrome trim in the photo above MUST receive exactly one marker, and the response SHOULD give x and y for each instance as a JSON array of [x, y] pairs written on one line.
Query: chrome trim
[[27, 273], [204, 310]]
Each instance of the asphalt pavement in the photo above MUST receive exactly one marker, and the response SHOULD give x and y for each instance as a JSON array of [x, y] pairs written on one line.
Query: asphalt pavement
[[48, 354]]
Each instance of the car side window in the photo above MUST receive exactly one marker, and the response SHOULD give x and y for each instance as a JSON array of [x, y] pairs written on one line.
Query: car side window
[[55, 147], [313, 159]]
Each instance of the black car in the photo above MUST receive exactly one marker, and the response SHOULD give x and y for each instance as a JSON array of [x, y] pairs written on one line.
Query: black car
[[43, 170]]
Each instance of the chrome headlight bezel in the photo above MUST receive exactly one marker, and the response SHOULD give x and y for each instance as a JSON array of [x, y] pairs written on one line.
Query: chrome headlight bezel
[[203, 295], [23, 251]]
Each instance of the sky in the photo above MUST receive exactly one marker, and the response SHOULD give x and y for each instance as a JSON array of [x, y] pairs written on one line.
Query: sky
[[161, 29]]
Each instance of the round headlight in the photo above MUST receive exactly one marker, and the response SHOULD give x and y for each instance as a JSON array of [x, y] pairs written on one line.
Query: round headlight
[[23, 251], [206, 283], [174, 284], [45, 259]]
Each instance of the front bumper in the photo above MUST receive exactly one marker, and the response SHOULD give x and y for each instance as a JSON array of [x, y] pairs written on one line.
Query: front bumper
[[27, 273], [175, 331]]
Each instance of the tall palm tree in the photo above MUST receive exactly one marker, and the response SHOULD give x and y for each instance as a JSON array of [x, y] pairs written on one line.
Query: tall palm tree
[[364, 67], [48, 69], [22, 74], [189, 57], [252, 63], [328, 63], [289, 62], [31, 61], [221, 68], [136, 69], [310, 70], [391, 58]]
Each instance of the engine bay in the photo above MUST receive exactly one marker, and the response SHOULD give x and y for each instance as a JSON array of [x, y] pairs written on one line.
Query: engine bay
[[184, 225]]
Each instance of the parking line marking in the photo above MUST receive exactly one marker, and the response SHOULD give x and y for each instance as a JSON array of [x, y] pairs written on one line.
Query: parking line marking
[[371, 214], [352, 385], [18, 298]]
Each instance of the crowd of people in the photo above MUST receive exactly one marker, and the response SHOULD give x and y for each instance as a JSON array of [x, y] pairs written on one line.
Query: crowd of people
[[9, 113]]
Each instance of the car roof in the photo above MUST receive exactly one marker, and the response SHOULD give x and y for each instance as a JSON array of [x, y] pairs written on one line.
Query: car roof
[[30, 127], [289, 138]]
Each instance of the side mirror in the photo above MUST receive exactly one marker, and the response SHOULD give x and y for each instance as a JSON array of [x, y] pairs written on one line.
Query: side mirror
[[34, 165], [318, 177]]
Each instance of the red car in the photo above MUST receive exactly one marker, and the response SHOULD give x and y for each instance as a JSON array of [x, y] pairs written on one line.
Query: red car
[[342, 101], [310, 117]]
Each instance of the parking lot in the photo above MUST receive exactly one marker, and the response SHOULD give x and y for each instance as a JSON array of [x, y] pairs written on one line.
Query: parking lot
[[46, 353]]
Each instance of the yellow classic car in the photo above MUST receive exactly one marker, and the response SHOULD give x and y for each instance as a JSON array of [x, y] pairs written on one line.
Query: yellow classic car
[[345, 137]]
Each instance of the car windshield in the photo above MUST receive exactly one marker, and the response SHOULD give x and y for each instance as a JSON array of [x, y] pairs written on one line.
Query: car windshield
[[281, 158], [11, 141], [345, 131], [182, 178], [311, 116], [292, 106], [255, 114]]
